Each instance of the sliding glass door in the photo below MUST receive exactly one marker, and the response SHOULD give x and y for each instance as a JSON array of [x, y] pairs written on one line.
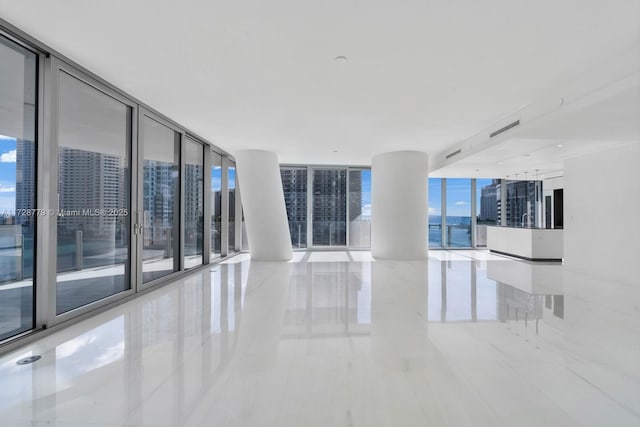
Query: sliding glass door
[[93, 193], [160, 147], [18, 89]]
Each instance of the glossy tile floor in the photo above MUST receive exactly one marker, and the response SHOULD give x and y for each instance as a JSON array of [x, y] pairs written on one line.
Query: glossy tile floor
[[337, 339]]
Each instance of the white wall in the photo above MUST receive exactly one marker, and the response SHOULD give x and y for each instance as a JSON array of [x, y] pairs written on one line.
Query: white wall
[[263, 203], [600, 278], [602, 214], [399, 205]]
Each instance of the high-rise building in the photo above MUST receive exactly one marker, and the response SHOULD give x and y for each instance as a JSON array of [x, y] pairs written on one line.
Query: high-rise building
[[355, 195], [90, 181], [193, 198], [490, 203], [25, 182], [158, 199]]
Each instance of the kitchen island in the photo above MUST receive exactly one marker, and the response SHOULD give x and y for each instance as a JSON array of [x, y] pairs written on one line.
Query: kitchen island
[[533, 244]]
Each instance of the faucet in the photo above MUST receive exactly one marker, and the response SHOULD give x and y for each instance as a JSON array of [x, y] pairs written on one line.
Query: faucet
[[524, 215]]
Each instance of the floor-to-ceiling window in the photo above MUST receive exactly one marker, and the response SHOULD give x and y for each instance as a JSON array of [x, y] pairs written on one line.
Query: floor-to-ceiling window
[[193, 203], [119, 201], [231, 184], [294, 185], [458, 220], [524, 203], [160, 199], [435, 212], [488, 208], [216, 205], [18, 90], [340, 211], [329, 207], [94, 182], [359, 208]]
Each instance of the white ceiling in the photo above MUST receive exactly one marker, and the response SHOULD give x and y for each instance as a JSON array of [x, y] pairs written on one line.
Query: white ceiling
[[540, 149], [420, 74]]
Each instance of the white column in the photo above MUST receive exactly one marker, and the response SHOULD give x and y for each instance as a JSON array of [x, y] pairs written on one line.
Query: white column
[[263, 202], [399, 205]]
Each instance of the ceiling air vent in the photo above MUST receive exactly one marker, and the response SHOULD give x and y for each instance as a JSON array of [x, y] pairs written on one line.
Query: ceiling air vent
[[504, 129], [455, 153]]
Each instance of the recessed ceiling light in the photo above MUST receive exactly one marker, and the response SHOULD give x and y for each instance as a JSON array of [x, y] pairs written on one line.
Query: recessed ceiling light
[[341, 59], [499, 163], [527, 155], [559, 145]]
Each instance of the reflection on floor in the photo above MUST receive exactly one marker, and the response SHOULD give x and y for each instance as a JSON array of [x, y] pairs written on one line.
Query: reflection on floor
[[336, 338]]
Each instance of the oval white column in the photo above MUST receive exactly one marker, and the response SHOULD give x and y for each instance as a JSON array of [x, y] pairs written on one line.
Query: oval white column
[[399, 218], [263, 202]]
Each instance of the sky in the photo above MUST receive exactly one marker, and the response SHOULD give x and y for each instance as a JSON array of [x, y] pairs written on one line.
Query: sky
[[7, 174]]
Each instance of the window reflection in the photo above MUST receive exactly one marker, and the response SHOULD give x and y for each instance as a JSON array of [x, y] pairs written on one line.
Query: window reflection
[[322, 301], [461, 291], [92, 350]]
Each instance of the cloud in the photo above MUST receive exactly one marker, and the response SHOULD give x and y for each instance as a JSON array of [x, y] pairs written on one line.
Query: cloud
[[461, 203], [9, 157], [7, 189]]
